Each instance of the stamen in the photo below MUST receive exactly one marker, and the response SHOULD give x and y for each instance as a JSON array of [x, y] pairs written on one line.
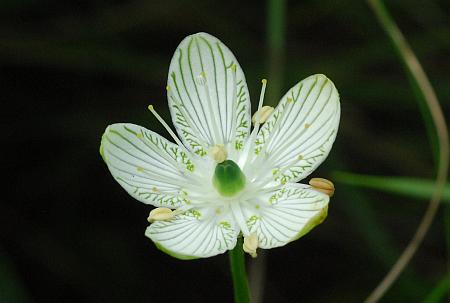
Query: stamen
[[218, 153], [263, 114], [261, 99], [161, 120], [323, 185], [164, 213], [160, 214], [251, 244], [250, 146]]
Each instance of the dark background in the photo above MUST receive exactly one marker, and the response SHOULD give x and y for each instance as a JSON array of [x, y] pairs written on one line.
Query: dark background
[[69, 233]]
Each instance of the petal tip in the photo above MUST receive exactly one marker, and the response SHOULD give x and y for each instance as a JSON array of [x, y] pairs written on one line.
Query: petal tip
[[102, 143], [313, 222]]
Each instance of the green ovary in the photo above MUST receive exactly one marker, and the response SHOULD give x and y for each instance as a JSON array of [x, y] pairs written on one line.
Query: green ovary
[[228, 178]]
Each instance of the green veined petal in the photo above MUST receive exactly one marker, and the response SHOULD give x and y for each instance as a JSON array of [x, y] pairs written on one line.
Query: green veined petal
[[208, 95], [299, 134], [286, 214], [150, 168], [198, 233]]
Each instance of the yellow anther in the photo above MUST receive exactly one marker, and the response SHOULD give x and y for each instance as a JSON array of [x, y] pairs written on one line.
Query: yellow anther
[[140, 169], [307, 125], [139, 136], [218, 153], [167, 87], [160, 214], [289, 99], [251, 244], [154, 189], [150, 107], [300, 157], [233, 67], [264, 81], [263, 114], [323, 185]]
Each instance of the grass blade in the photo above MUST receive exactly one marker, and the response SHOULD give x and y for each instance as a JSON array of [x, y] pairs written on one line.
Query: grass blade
[[405, 186], [428, 102]]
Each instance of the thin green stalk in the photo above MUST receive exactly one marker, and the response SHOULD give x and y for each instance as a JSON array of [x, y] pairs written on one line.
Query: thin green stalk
[[237, 265], [275, 39], [276, 28], [429, 103], [378, 241]]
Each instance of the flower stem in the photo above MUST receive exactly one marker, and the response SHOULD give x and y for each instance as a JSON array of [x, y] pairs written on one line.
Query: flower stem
[[237, 266], [275, 35]]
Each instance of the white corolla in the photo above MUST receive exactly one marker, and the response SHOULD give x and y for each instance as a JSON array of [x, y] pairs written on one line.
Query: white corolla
[[224, 178]]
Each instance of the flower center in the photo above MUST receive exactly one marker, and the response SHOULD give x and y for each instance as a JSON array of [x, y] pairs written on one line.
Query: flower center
[[228, 178]]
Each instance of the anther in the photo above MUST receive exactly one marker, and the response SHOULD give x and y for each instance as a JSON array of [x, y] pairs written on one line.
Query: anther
[[160, 214], [251, 244], [323, 185], [218, 153], [263, 114]]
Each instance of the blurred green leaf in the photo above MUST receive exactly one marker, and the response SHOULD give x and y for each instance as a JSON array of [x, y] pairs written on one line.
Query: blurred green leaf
[[11, 288], [406, 186], [438, 293]]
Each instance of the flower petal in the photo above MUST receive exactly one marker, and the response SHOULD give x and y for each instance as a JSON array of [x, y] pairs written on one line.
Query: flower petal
[[300, 132], [150, 168], [198, 233], [208, 95], [286, 214]]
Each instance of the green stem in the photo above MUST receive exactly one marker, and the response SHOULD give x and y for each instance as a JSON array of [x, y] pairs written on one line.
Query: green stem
[[276, 28], [237, 265]]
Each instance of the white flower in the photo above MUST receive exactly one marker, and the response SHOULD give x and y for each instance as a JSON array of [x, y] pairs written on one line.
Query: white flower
[[222, 179]]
